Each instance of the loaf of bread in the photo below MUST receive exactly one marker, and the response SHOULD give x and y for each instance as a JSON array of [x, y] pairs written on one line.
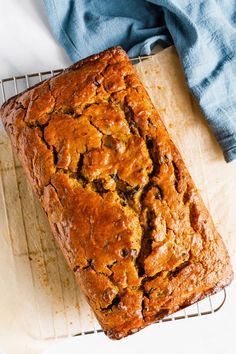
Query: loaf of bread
[[120, 201]]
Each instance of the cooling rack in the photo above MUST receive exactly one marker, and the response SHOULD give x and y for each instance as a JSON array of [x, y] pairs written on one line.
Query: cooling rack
[[51, 301]]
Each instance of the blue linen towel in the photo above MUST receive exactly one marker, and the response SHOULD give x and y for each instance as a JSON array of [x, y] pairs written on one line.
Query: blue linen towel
[[203, 31]]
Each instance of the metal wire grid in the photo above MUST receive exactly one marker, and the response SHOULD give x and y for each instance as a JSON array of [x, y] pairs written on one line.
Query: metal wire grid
[[9, 87]]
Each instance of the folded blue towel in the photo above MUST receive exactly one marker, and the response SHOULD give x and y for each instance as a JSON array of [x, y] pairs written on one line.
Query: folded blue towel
[[203, 31]]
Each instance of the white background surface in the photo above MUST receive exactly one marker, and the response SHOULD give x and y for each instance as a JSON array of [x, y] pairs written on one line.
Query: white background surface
[[27, 45]]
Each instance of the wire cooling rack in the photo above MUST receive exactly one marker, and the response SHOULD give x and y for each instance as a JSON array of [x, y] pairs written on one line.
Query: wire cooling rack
[[51, 301]]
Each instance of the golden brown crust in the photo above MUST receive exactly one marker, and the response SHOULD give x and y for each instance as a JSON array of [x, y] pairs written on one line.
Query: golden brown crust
[[118, 196]]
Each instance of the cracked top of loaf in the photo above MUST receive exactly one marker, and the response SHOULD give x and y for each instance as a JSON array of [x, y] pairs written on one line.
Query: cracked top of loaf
[[118, 196]]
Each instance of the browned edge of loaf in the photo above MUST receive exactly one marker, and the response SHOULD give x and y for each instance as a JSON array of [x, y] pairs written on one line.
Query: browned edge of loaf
[[176, 276], [72, 67]]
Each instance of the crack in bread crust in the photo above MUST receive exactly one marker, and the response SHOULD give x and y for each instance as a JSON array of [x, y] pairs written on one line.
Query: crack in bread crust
[[118, 196]]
